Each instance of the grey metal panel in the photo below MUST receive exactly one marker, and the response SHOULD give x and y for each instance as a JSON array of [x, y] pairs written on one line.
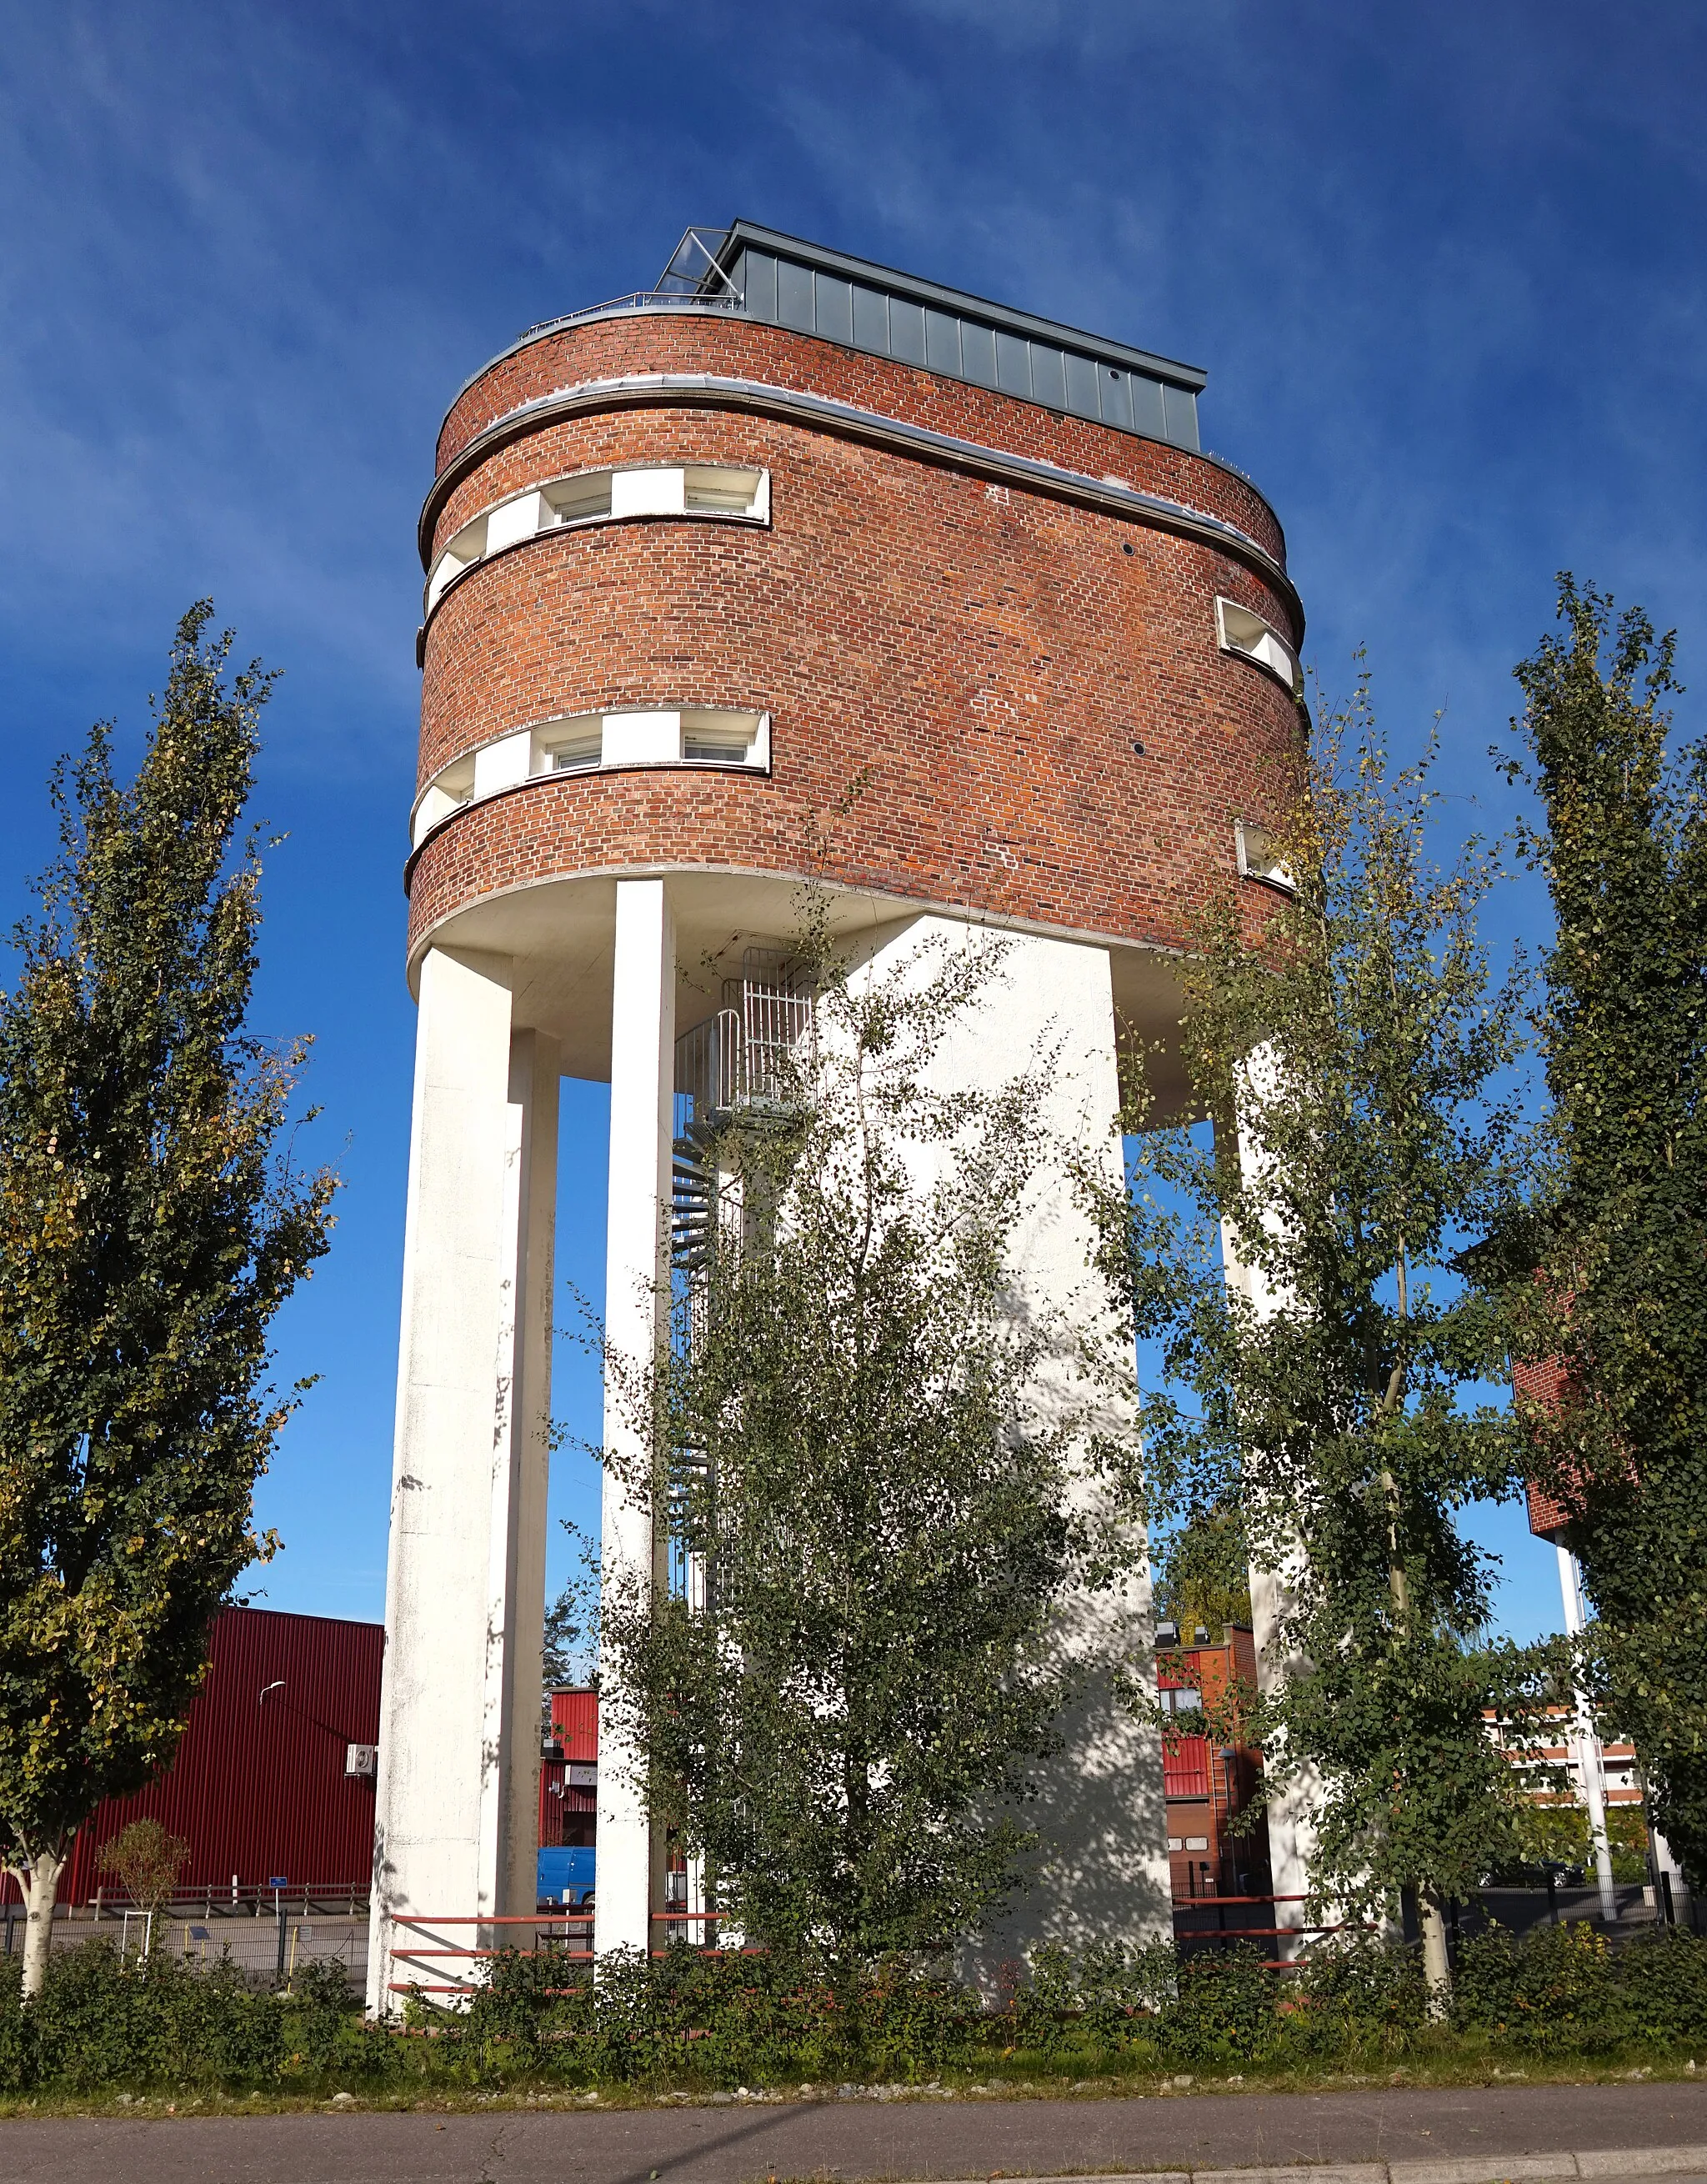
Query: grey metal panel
[[943, 343], [1117, 400], [1181, 410], [1082, 387], [794, 295], [835, 313], [755, 276], [959, 302], [906, 331], [1147, 408], [871, 321], [978, 354], [1049, 375], [1013, 365]]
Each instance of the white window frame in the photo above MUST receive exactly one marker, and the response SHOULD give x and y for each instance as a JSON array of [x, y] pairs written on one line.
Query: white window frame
[[633, 493], [1247, 636], [1255, 861]]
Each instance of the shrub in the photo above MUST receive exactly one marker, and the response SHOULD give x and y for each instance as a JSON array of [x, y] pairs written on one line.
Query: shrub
[[719, 2020], [1361, 1996], [100, 2021], [1224, 2011], [1565, 1990]]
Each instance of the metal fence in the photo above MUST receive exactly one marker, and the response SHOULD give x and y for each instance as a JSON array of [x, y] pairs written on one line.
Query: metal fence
[[268, 1941]]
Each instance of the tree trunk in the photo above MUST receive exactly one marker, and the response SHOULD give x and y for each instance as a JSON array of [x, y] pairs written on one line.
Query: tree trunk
[[40, 1880], [1437, 1965]]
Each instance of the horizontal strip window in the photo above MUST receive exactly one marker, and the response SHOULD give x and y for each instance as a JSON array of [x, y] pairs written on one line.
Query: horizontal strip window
[[822, 412], [1238, 630], [588, 742], [810, 300], [691, 489]]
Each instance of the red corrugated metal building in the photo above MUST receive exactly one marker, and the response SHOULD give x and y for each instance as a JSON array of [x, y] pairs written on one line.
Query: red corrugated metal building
[[262, 1783], [1207, 1784], [569, 1772]]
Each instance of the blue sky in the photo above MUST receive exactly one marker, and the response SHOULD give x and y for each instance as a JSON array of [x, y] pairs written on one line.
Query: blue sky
[[1443, 266]]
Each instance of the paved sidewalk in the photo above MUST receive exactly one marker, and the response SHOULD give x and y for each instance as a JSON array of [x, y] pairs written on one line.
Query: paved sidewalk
[[1392, 2136]]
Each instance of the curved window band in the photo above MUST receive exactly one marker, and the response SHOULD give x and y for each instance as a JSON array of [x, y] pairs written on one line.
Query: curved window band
[[730, 491], [588, 742]]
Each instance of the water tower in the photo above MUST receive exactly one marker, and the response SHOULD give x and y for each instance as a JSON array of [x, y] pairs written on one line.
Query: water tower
[[695, 557]]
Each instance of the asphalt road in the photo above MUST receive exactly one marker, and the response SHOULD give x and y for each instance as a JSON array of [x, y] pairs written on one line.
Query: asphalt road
[[856, 2139]]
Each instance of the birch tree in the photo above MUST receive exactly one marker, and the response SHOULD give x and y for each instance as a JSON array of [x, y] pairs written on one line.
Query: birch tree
[[1347, 1034], [869, 1455]]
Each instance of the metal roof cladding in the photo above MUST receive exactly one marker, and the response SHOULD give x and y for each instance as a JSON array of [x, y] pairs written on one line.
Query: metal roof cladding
[[756, 272], [788, 282]]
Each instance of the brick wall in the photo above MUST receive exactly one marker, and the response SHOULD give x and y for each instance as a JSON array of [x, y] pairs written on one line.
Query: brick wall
[[742, 348], [991, 654], [1542, 1384]]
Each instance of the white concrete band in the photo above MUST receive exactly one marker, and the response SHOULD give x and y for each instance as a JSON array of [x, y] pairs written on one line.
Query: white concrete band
[[642, 1098], [456, 1792]]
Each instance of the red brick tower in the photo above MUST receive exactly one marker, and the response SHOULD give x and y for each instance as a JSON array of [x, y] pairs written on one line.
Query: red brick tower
[[695, 560]]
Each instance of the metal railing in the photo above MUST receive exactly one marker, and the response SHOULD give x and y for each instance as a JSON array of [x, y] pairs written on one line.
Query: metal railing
[[1250, 1928], [639, 299], [428, 1954], [748, 1054], [707, 1065], [774, 1024]]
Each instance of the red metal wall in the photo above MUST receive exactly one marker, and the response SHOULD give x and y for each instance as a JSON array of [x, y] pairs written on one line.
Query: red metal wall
[[575, 1724], [567, 1812], [258, 1787]]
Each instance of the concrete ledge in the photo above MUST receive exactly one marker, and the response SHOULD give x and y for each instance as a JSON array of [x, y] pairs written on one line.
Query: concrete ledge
[[1635, 2162], [1348, 2172], [1644, 2161], [1488, 2169]]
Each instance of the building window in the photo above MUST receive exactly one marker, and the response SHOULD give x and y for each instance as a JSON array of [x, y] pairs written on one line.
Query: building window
[[710, 739], [589, 742], [583, 499], [580, 748], [723, 491], [1259, 860], [1247, 634], [447, 792]]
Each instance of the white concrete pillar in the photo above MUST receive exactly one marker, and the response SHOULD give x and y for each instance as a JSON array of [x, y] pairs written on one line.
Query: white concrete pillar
[[642, 1098], [1102, 1872], [1290, 1812], [521, 1472], [1665, 1865], [1585, 1739], [465, 1586]]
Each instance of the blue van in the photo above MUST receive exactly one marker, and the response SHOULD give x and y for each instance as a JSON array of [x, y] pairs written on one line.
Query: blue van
[[566, 1875]]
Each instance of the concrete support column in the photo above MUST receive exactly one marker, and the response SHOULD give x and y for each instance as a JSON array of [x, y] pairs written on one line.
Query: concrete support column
[[1585, 1740], [1291, 1814], [458, 1787], [634, 1550], [521, 1471]]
